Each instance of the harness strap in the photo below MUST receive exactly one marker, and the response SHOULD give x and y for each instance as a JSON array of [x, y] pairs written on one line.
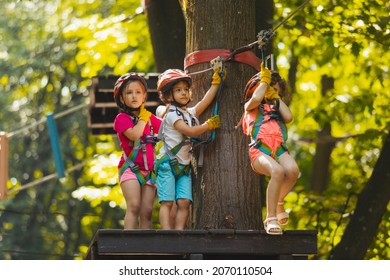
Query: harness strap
[[201, 56], [257, 143], [129, 160], [177, 169], [267, 150], [212, 137], [260, 121], [136, 170], [174, 163]]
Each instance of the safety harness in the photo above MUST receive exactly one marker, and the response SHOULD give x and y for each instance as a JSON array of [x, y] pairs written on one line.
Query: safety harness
[[170, 154], [137, 146], [261, 118]]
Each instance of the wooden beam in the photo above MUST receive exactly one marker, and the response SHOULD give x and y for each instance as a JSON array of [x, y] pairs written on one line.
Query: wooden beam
[[160, 244]]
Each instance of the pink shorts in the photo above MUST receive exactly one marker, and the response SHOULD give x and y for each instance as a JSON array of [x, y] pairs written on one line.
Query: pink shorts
[[129, 175], [254, 153]]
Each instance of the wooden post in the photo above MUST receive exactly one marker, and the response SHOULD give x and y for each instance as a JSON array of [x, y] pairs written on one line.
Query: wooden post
[[55, 145], [3, 165]]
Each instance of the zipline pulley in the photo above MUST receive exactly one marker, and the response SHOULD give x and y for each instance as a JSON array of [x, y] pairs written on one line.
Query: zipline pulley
[[264, 37]]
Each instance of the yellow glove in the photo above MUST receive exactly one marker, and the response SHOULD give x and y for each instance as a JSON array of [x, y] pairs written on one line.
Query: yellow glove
[[265, 74], [214, 122], [271, 93], [144, 114], [216, 80]]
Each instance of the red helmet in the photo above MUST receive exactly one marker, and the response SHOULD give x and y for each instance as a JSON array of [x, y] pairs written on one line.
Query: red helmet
[[126, 77], [251, 86], [170, 77], [254, 82]]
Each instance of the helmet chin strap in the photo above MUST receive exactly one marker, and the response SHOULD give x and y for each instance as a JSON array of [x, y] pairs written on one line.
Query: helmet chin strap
[[130, 111]]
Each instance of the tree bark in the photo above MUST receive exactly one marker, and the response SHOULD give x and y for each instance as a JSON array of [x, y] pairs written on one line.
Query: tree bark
[[167, 31], [226, 191], [371, 205], [320, 173]]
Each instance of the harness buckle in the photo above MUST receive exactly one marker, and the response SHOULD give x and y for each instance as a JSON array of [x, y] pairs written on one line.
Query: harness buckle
[[134, 168]]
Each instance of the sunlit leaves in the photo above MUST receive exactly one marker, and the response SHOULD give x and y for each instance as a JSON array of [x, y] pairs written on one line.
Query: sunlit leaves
[[112, 41], [348, 41]]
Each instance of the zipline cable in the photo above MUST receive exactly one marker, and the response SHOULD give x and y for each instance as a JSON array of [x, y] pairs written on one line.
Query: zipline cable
[[44, 120], [48, 178], [263, 37]]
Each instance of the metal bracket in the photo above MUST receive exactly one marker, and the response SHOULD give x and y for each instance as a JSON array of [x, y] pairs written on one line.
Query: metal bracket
[[217, 63], [270, 58]]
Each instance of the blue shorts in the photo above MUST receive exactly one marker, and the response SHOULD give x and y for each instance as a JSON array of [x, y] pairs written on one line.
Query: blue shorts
[[170, 189]]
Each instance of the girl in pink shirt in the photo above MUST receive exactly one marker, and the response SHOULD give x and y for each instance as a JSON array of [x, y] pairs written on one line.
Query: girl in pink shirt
[[136, 128]]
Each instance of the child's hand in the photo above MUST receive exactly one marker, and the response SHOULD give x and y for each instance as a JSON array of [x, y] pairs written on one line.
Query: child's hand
[[271, 93], [265, 74], [214, 122], [216, 80], [144, 114]]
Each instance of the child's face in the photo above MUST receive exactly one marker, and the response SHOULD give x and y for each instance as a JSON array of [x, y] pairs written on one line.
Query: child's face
[[133, 95], [181, 92]]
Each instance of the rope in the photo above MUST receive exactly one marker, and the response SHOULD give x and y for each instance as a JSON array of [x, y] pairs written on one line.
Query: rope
[[216, 107], [43, 120], [272, 31], [201, 71], [263, 38], [48, 178]]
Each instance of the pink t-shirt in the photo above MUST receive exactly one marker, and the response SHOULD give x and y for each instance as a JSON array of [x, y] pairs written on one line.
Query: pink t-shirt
[[123, 122]]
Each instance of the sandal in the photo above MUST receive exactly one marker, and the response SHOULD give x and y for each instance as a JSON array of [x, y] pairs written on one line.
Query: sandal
[[282, 216], [271, 226]]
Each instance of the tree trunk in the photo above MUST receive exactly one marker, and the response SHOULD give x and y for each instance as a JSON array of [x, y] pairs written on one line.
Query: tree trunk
[[167, 30], [320, 174], [371, 205], [226, 191]]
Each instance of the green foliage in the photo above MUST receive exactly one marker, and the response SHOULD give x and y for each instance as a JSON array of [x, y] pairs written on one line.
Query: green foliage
[[348, 41], [49, 50]]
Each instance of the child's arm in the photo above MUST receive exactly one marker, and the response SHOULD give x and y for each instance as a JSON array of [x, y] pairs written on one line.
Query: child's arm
[[135, 132], [261, 91], [192, 131], [210, 94], [285, 112], [257, 97]]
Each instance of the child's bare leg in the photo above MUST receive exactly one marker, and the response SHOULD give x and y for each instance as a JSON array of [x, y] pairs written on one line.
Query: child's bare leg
[[291, 174], [165, 209], [132, 192], [148, 195], [172, 215], [183, 207], [266, 165]]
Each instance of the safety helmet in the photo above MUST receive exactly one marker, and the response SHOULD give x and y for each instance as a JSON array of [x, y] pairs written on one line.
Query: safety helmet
[[170, 77], [254, 82], [251, 86], [127, 77]]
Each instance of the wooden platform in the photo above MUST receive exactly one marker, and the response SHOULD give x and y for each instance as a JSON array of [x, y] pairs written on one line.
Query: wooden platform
[[201, 244]]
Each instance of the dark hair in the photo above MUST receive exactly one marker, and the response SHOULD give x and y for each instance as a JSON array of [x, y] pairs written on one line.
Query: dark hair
[[277, 79]]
